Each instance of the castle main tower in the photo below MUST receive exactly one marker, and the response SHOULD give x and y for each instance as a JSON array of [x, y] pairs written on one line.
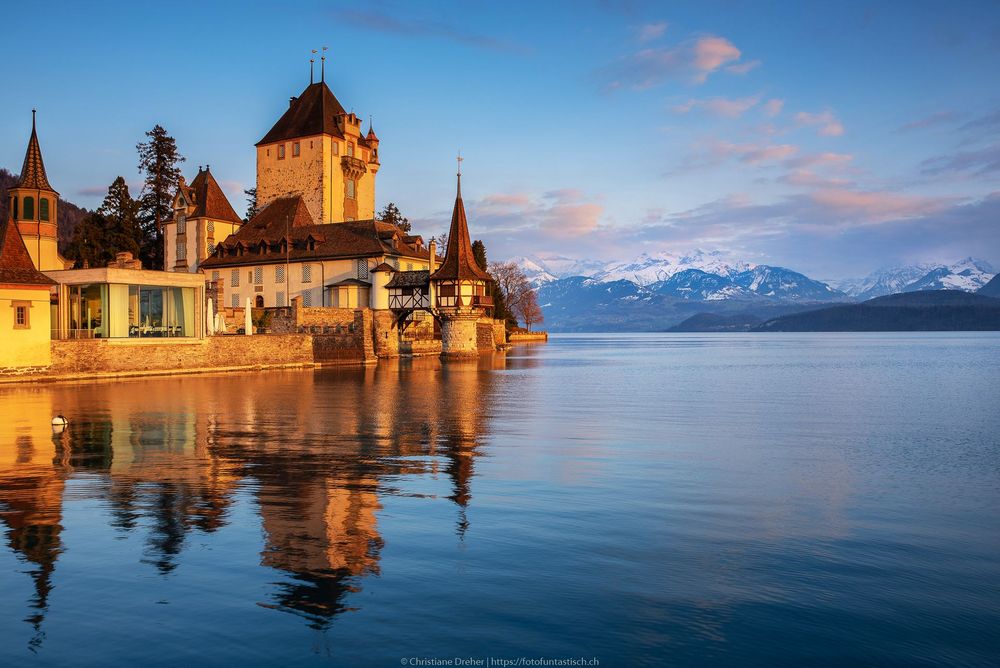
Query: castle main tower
[[317, 150], [33, 206]]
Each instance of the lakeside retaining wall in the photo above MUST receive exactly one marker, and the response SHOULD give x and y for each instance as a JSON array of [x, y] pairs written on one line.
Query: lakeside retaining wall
[[526, 337]]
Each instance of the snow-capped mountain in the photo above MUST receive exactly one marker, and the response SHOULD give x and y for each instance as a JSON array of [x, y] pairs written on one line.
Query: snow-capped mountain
[[698, 284], [652, 268], [884, 281], [781, 283], [969, 274]]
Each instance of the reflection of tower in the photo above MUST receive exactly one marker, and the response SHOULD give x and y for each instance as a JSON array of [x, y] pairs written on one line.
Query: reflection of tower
[[460, 287], [31, 493]]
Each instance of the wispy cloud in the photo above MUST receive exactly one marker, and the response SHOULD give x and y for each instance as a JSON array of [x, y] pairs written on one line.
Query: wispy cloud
[[826, 122], [773, 107], [92, 191], [979, 162], [933, 120], [411, 27], [691, 61], [715, 152], [743, 68], [651, 31], [719, 106]]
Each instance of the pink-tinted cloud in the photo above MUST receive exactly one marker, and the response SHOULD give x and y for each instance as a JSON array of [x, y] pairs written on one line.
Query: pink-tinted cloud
[[651, 31], [826, 123], [819, 159], [743, 68], [773, 107], [719, 106], [807, 178], [691, 61], [936, 119]]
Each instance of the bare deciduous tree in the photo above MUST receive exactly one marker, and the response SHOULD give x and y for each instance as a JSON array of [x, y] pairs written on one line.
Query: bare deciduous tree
[[529, 311]]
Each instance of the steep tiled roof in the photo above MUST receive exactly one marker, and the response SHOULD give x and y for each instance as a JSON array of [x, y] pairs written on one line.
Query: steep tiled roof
[[409, 279], [15, 263], [311, 113], [459, 262], [209, 200], [33, 169], [356, 238]]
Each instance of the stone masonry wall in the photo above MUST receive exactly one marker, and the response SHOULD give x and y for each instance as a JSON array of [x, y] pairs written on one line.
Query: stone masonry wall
[[106, 356]]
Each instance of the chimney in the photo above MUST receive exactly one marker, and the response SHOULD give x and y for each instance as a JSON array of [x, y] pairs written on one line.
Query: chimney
[[433, 254]]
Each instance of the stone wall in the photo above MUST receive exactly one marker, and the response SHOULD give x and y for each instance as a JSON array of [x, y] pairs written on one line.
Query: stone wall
[[110, 356], [525, 337]]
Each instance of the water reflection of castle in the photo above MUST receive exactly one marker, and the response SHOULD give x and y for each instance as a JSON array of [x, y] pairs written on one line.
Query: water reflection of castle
[[312, 451]]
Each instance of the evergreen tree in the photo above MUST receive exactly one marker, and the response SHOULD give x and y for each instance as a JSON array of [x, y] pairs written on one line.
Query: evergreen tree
[[158, 161], [122, 215], [479, 252], [111, 229], [88, 245], [391, 214], [252, 211], [500, 311]]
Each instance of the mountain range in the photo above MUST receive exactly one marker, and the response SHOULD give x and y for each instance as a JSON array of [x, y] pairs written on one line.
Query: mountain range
[[660, 290]]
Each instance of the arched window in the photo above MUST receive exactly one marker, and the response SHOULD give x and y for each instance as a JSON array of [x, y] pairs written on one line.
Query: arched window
[[43, 209], [29, 208]]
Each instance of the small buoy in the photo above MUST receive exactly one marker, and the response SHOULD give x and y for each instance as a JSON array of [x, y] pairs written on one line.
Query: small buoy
[[59, 421]]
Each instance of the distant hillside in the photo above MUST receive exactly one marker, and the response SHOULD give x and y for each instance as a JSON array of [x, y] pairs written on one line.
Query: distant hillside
[[937, 310], [742, 321], [69, 214], [991, 289]]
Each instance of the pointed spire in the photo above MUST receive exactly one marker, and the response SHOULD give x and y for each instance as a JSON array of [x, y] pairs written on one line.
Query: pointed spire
[[33, 170], [459, 262]]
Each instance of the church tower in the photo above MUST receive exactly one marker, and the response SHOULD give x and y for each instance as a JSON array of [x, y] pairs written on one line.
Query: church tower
[[33, 206], [317, 150]]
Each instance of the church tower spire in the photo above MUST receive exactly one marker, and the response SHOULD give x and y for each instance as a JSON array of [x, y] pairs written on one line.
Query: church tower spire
[[33, 207]]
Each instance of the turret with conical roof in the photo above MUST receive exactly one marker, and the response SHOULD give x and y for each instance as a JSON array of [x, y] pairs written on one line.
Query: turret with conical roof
[[33, 206], [460, 287]]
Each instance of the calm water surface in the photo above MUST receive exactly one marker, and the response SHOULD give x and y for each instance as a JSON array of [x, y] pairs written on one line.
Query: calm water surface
[[796, 499]]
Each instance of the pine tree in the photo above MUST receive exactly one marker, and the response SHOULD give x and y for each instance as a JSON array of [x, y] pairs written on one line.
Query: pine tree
[[479, 252], [500, 311], [158, 160], [122, 215], [88, 245], [252, 210], [391, 214]]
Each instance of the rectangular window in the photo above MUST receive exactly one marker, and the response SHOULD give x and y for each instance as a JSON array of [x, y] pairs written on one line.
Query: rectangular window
[[210, 248], [236, 301], [22, 315], [363, 269], [350, 188], [234, 280], [307, 299], [350, 149], [409, 266], [215, 275], [279, 274], [295, 149], [211, 227], [281, 152], [258, 275], [307, 274], [181, 224], [336, 148], [279, 299], [181, 250]]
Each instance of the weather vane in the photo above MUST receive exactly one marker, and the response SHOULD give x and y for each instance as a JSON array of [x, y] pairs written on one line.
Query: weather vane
[[460, 159], [312, 64], [322, 65]]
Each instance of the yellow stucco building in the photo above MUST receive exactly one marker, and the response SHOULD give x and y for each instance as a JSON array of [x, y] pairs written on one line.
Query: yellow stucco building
[[25, 311], [317, 150]]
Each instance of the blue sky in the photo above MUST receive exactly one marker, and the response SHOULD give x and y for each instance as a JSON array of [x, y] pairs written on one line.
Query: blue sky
[[831, 138]]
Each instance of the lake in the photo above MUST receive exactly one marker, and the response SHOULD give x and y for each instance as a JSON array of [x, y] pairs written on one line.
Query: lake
[[649, 499]]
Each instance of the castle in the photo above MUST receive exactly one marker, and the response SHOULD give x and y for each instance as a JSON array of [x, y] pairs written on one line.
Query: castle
[[314, 249]]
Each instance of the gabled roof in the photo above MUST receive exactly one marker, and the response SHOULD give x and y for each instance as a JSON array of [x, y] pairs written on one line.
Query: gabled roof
[[289, 216], [33, 170], [15, 264], [209, 200], [459, 262], [311, 113]]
